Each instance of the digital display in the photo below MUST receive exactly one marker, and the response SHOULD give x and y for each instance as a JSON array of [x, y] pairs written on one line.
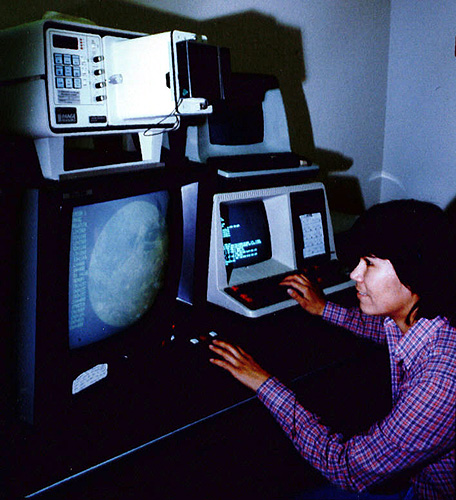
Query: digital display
[[245, 232], [65, 42], [118, 261]]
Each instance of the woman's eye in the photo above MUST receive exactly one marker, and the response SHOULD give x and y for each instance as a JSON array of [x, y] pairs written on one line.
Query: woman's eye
[[368, 262]]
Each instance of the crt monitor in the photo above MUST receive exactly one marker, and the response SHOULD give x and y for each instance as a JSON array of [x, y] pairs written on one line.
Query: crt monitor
[[261, 233], [100, 269], [250, 121]]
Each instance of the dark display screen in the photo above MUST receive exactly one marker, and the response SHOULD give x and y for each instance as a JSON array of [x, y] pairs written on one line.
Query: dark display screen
[[118, 262], [65, 42], [245, 231]]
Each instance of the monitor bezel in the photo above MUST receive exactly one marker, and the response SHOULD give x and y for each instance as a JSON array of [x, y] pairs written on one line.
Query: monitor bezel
[[128, 352]]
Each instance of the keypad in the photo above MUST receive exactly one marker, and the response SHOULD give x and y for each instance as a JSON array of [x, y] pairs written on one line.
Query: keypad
[[67, 71]]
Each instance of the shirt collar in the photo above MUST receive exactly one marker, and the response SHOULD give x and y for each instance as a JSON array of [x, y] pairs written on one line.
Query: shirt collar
[[407, 347]]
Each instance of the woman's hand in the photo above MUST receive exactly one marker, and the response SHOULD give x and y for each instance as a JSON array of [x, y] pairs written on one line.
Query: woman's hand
[[308, 295], [241, 365]]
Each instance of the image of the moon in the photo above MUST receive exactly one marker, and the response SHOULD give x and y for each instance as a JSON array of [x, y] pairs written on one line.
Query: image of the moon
[[126, 268]]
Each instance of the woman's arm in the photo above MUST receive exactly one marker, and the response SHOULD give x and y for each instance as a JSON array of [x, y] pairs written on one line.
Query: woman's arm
[[309, 296]]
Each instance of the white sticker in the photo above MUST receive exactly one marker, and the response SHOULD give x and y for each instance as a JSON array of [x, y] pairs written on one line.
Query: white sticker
[[90, 377], [312, 230]]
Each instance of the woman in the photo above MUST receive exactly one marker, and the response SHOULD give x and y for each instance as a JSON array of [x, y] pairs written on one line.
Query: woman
[[406, 288]]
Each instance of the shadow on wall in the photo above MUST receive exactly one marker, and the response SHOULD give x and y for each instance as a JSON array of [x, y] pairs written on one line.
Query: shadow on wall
[[451, 211], [343, 191], [257, 43]]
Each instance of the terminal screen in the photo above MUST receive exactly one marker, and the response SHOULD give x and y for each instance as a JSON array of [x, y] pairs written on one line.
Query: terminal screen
[[245, 232]]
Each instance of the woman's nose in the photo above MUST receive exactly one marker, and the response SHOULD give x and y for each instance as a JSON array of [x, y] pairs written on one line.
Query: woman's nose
[[358, 273]]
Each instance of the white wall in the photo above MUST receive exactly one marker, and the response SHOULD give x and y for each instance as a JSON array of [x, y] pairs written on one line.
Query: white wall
[[420, 132], [345, 46]]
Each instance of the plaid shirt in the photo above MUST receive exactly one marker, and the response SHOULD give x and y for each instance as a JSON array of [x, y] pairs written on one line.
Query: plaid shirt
[[418, 433]]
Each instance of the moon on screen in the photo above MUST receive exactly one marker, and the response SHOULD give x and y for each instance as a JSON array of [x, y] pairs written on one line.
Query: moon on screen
[[126, 269]]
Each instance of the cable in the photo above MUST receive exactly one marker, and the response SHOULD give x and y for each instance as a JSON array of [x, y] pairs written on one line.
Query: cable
[[174, 127]]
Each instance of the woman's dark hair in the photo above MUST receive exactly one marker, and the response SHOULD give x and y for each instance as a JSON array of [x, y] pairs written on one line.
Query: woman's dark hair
[[418, 239]]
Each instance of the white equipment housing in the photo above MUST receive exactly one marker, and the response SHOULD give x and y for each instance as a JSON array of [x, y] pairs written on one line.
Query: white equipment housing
[[60, 79]]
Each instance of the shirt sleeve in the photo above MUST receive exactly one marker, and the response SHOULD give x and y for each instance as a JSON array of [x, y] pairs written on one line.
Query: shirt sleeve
[[410, 435], [355, 321]]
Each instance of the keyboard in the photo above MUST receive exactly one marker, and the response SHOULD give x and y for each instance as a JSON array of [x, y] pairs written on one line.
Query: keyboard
[[268, 291]]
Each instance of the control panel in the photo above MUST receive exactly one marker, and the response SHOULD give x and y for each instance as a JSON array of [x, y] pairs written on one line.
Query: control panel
[[76, 79]]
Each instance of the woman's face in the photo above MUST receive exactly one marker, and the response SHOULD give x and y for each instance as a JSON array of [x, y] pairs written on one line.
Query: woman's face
[[380, 292]]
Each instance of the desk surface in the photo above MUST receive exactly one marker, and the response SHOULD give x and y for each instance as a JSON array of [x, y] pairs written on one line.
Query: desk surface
[[202, 428]]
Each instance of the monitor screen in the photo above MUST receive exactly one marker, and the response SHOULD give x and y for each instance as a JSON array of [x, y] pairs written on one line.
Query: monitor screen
[[118, 261], [245, 232]]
